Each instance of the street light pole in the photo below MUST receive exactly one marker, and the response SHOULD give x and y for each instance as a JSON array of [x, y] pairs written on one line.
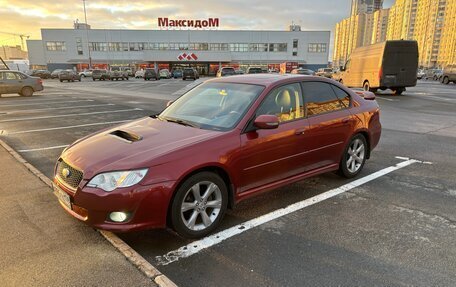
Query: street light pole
[[87, 34]]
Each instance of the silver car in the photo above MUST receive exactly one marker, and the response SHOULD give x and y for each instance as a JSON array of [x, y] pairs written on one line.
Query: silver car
[[12, 82]]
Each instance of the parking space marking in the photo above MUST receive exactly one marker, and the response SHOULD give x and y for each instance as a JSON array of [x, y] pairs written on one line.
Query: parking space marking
[[43, 148], [40, 103], [67, 127], [198, 245], [386, 99], [69, 115], [57, 108]]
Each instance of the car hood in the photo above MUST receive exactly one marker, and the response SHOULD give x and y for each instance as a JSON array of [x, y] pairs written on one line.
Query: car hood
[[137, 144]]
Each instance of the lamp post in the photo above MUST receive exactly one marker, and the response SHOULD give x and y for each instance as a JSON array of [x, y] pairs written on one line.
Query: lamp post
[[87, 34]]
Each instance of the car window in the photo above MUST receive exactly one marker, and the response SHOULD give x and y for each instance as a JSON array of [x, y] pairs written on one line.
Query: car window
[[285, 102], [21, 76], [341, 95], [320, 98], [10, 76]]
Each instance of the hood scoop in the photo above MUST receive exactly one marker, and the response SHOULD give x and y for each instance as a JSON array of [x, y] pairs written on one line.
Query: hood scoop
[[126, 136]]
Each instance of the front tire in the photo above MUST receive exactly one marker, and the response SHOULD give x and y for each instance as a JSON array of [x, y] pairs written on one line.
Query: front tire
[[199, 205], [446, 80], [354, 157]]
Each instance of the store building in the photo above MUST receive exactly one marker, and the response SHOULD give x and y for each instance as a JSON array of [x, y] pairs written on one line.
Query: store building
[[206, 50]]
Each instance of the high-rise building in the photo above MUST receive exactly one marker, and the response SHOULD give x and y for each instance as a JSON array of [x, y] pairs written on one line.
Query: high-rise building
[[430, 22], [365, 6], [13, 53]]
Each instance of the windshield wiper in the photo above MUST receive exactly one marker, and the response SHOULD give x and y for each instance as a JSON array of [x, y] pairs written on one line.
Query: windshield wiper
[[180, 122]]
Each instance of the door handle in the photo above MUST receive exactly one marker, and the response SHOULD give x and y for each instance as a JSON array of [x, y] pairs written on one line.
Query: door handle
[[300, 131]]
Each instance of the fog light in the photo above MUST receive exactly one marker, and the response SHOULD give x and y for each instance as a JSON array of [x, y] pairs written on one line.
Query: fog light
[[118, 216]]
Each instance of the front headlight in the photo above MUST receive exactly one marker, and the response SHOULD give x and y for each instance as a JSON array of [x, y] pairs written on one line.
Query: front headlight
[[111, 180]]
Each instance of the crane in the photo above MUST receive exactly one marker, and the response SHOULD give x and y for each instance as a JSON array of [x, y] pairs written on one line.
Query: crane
[[22, 36]]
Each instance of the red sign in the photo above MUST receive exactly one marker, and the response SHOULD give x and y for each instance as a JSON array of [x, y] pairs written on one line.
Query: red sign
[[187, 57], [166, 22]]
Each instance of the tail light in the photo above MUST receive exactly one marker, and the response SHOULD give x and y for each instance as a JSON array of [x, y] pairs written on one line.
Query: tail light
[[380, 72], [39, 81]]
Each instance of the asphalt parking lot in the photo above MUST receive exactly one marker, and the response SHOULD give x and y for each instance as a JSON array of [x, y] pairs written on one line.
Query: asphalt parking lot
[[397, 227]]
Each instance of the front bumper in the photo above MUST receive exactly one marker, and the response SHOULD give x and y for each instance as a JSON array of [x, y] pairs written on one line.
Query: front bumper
[[148, 206]]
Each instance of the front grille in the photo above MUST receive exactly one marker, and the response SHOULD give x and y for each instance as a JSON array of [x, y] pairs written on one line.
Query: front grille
[[73, 178]]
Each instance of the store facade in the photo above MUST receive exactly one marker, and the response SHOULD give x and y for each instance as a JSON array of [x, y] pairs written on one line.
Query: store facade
[[205, 50]]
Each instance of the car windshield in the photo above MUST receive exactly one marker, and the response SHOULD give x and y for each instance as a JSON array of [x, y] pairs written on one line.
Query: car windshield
[[212, 106]]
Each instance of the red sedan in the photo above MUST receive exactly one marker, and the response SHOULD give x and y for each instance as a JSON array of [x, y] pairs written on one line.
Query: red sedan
[[223, 141]]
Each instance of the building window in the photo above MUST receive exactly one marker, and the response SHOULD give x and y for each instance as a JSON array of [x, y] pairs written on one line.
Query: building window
[[115, 46], [55, 46], [218, 47], [239, 47], [258, 47], [317, 48], [98, 46], [198, 46], [277, 47], [295, 47], [79, 46]]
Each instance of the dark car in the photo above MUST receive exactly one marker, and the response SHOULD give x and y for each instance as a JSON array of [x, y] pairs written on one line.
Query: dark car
[[69, 75], [190, 73], [55, 73], [150, 74], [14, 82], [43, 74], [449, 74], [226, 71], [254, 70], [302, 71], [218, 144], [177, 74], [100, 74]]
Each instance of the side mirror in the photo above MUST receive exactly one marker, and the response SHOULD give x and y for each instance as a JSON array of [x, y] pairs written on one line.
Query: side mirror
[[366, 95], [266, 122], [169, 103]]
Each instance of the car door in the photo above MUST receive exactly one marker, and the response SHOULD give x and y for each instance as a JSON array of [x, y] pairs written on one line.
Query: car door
[[330, 122], [2, 83], [12, 83], [268, 155]]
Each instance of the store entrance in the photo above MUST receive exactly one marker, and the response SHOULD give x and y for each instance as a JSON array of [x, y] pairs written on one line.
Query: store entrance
[[202, 68]]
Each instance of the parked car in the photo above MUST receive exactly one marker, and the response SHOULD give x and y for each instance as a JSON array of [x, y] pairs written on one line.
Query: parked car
[[150, 73], [254, 70], [139, 74], [449, 74], [116, 73], [438, 73], [239, 72], [302, 71], [43, 74], [100, 74], [15, 82], [220, 143], [69, 75], [55, 73], [325, 72], [86, 73], [226, 71], [127, 71], [177, 73], [164, 74], [420, 74], [190, 73], [387, 65]]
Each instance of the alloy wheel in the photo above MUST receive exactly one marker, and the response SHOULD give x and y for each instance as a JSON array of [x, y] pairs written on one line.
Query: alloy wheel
[[201, 205], [356, 153]]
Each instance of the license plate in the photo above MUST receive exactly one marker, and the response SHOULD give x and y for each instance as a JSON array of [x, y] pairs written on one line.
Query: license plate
[[62, 196]]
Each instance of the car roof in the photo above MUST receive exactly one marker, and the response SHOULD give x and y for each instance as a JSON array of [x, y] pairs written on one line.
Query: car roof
[[262, 79]]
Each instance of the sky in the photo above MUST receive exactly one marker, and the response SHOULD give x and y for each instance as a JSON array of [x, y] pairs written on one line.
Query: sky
[[28, 16]]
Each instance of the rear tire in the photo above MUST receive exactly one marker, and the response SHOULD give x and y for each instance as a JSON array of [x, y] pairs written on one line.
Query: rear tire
[[398, 91], [446, 80], [366, 86], [26, 92], [354, 157]]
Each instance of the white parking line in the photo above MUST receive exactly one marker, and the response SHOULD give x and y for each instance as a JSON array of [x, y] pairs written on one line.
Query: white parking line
[[40, 103], [66, 127], [196, 246], [386, 99], [43, 148], [69, 115], [58, 108]]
